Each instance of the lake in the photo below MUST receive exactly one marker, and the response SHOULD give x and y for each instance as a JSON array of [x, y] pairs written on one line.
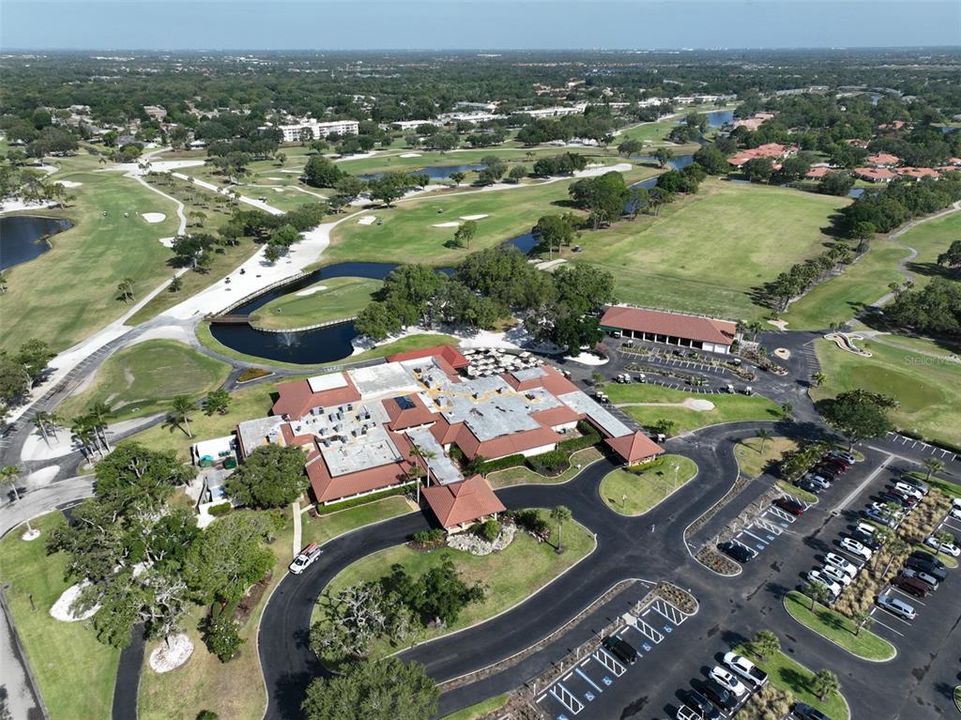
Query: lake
[[24, 237]]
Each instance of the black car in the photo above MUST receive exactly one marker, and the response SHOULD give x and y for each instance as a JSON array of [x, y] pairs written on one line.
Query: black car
[[929, 568], [869, 541], [737, 551], [697, 702], [830, 472], [927, 557], [719, 695], [806, 484], [899, 500], [621, 649], [806, 712]]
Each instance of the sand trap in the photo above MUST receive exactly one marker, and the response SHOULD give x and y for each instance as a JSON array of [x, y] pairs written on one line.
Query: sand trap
[[367, 220], [586, 358], [62, 610], [69, 183], [310, 291], [171, 653], [167, 242], [779, 324], [277, 178], [409, 155], [450, 224], [782, 353], [550, 264], [153, 217], [473, 217], [698, 404], [43, 475]]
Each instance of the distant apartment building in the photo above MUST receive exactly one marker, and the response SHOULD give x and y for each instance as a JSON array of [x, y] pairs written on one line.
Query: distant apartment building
[[294, 132]]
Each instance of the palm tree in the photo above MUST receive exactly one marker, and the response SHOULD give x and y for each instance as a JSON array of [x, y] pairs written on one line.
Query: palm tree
[[818, 592], [787, 410], [765, 643], [818, 379], [824, 683], [182, 406], [862, 619], [560, 514], [125, 288], [418, 452], [897, 548], [98, 414], [43, 421], [763, 435], [83, 433], [9, 476], [933, 465]]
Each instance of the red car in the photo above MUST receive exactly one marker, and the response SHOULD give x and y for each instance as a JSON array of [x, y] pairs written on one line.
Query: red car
[[794, 507]]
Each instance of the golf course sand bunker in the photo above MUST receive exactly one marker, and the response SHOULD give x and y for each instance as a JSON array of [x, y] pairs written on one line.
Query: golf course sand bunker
[[153, 217], [473, 217], [449, 224], [171, 653], [698, 404], [69, 183], [310, 291], [62, 610], [409, 155], [367, 220]]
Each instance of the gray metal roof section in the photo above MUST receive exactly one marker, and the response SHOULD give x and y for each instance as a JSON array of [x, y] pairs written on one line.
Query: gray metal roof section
[[580, 402], [529, 373], [442, 468], [259, 431], [351, 454]]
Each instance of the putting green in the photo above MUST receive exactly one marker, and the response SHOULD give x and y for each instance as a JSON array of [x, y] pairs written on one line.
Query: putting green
[[923, 378], [325, 301]]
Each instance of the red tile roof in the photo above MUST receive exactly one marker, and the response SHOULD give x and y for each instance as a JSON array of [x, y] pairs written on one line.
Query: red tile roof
[[880, 159], [448, 352], [768, 150], [328, 488], [875, 174], [552, 381], [818, 172], [462, 502], [407, 417], [688, 327], [918, 173], [635, 448], [552, 417], [505, 444], [297, 399]]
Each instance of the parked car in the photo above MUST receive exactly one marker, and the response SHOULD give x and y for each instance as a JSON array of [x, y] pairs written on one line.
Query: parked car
[[921, 576], [816, 576], [729, 680], [914, 482], [897, 606], [908, 489], [837, 575], [305, 558], [821, 482], [879, 517], [719, 695], [855, 548], [911, 585], [686, 713], [948, 548], [955, 512], [844, 455], [741, 553], [697, 702], [869, 541], [804, 711], [806, 484], [905, 502], [621, 649], [832, 466], [930, 565], [884, 509], [905, 498], [842, 564], [745, 668], [790, 506]]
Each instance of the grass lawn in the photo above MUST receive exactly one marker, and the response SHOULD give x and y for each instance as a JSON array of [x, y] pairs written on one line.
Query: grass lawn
[[926, 384], [753, 461], [866, 281], [787, 674], [665, 406], [408, 233], [509, 576], [142, 379], [705, 253], [480, 709], [326, 527], [628, 492], [838, 628], [71, 291], [75, 672], [522, 475], [328, 300], [233, 690], [786, 487]]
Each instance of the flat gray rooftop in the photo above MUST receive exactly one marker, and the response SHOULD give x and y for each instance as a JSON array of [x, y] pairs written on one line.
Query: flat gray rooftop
[[259, 431], [354, 454], [580, 402], [442, 468]]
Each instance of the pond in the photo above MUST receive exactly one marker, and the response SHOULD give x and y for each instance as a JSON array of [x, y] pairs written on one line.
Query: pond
[[434, 172], [24, 237], [320, 345], [719, 118]]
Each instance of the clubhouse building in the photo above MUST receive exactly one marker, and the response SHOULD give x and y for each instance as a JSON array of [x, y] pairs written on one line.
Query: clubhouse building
[[670, 328], [425, 414]]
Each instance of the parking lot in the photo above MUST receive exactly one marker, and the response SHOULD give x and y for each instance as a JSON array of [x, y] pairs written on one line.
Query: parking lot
[[583, 690]]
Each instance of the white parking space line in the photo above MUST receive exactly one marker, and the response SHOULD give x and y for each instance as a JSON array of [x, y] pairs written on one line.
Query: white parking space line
[[608, 661], [899, 591], [896, 632], [566, 698], [864, 483], [589, 681], [763, 541]]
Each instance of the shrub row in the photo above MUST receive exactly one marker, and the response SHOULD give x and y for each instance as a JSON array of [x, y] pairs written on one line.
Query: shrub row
[[354, 502]]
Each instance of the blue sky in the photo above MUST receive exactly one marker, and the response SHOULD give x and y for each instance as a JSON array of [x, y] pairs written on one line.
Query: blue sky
[[482, 24]]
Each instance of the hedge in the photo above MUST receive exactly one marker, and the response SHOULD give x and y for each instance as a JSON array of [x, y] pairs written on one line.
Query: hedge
[[500, 464], [589, 436], [219, 509], [354, 502]]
